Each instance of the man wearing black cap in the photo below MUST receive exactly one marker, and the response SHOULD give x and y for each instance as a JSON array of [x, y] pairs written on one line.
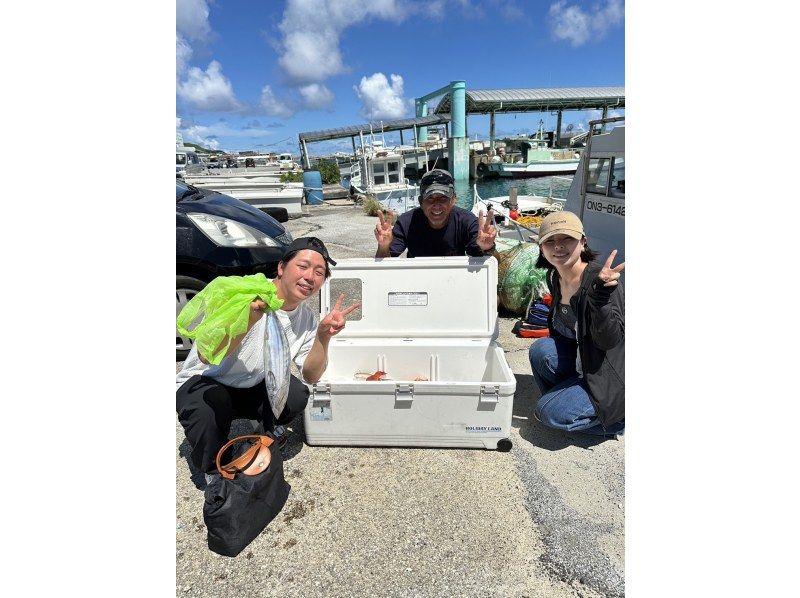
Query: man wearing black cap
[[438, 227], [210, 397]]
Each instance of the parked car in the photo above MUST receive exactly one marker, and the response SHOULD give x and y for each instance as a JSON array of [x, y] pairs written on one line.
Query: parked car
[[217, 235]]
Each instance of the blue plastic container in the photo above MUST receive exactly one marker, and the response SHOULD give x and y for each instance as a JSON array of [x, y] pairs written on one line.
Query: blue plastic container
[[312, 185]]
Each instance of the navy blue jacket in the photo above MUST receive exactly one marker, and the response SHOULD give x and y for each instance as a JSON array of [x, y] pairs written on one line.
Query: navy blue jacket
[[458, 237]]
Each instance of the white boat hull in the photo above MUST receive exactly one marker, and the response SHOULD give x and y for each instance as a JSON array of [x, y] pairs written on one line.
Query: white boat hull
[[265, 194], [234, 177], [398, 198], [527, 205], [531, 169]]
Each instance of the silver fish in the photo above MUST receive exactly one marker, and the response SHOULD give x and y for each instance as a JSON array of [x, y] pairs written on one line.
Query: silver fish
[[276, 363]]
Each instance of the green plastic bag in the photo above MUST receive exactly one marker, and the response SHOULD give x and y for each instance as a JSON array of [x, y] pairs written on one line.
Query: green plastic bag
[[222, 309]]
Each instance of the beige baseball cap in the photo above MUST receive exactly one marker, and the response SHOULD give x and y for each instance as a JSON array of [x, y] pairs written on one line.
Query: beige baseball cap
[[560, 223]]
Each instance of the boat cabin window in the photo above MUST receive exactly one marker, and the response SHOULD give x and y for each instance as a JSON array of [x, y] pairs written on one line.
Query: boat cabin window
[[394, 171], [618, 178], [597, 180], [597, 177], [378, 170], [180, 159]]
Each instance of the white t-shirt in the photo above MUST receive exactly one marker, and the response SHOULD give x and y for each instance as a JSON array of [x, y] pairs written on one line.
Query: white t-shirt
[[244, 367]]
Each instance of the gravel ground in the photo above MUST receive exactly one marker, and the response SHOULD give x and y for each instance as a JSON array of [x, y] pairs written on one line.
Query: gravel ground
[[546, 519]]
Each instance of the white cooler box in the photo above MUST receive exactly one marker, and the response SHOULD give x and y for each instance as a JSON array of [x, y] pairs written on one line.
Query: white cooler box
[[424, 317]]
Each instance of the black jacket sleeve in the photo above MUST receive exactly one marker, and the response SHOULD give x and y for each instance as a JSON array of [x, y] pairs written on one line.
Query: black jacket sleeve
[[606, 307], [398, 245], [470, 224]]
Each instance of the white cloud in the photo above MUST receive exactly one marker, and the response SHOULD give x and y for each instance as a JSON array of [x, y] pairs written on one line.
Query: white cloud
[[316, 96], [311, 56], [207, 135], [272, 105], [596, 114], [209, 90], [183, 53], [570, 24], [436, 8], [573, 24], [191, 20], [379, 99], [311, 30], [589, 115], [198, 134], [204, 90]]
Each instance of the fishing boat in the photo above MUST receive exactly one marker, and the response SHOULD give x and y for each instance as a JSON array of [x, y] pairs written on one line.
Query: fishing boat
[[597, 194], [537, 160], [530, 209], [260, 191], [222, 176], [378, 172]]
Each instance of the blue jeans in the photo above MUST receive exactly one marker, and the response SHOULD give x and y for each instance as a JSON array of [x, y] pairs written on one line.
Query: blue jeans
[[564, 403]]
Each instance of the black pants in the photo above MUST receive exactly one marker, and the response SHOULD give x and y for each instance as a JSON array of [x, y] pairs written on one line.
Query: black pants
[[206, 408]]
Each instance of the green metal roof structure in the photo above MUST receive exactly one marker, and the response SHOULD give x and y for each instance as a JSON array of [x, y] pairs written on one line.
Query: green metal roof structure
[[486, 101]]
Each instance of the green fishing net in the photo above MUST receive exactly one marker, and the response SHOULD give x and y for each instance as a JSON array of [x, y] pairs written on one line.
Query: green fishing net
[[222, 309], [518, 278]]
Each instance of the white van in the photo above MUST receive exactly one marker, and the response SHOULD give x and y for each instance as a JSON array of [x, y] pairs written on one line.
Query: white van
[[597, 193], [187, 160]]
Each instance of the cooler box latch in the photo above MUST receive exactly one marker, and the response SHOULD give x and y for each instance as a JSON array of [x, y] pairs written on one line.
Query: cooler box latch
[[320, 408], [490, 393], [321, 394], [404, 392]]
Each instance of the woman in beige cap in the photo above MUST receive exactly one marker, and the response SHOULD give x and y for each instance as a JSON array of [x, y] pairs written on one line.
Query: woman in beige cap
[[580, 367]]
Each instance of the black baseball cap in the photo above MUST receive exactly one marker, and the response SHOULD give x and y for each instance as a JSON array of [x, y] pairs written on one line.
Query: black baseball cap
[[313, 244], [437, 181]]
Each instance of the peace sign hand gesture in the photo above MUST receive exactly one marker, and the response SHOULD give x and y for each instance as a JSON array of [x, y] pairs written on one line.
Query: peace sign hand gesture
[[333, 323], [486, 230], [610, 275], [383, 230]]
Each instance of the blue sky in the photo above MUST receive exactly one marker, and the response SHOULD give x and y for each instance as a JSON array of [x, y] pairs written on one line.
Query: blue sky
[[251, 75]]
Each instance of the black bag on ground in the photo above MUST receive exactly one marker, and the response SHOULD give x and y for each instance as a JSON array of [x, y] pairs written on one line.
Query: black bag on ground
[[249, 494]]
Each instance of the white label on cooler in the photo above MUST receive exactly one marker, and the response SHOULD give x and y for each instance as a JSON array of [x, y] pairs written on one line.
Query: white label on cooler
[[398, 299]]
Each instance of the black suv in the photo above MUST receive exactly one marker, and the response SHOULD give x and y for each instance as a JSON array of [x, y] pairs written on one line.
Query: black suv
[[217, 235]]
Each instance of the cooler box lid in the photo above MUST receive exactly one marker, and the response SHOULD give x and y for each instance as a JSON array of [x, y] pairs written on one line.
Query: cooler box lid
[[418, 297]]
